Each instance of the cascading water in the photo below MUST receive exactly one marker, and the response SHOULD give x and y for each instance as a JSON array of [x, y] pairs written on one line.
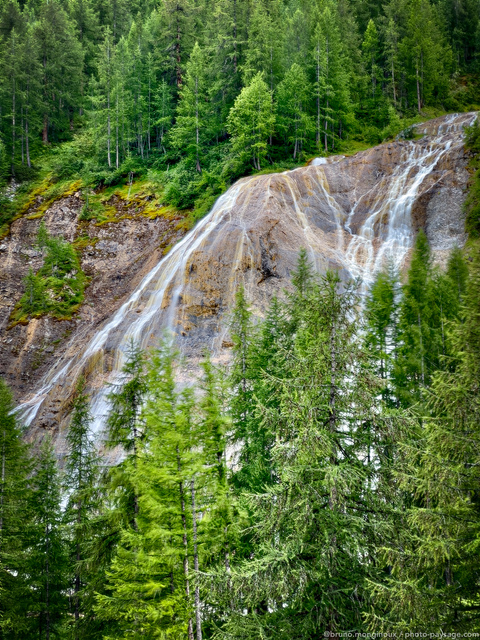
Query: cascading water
[[343, 219]]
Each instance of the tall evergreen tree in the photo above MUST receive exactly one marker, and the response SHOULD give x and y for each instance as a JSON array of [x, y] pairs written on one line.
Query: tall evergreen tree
[[81, 484], [432, 554], [15, 521], [48, 558], [251, 121], [191, 128], [317, 520]]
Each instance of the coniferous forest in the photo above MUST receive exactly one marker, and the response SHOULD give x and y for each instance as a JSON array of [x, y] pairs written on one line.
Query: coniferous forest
[[196, 94], [324, 483]]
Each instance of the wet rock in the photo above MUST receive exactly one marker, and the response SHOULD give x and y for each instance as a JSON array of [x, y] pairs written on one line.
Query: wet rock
[[349, 213]]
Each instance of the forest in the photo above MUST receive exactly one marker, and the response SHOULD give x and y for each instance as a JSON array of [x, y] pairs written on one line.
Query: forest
[[196, 93], [324, 482]]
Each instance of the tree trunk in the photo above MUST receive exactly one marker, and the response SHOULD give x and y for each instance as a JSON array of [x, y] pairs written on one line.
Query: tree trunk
[[393, 84], [198, 619], [13, 124], [27, 146], [117, 156], [45, 129], [197, 129], [185, 545], [47, 592], [419, 104], [2, 488], [178, 49], [318, 95], [235, 36]]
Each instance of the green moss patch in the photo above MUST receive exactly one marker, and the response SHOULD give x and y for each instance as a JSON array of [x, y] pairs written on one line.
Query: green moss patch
[[130, 200]]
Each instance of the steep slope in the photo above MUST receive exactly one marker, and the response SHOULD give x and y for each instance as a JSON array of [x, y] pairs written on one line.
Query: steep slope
[[350, 213]]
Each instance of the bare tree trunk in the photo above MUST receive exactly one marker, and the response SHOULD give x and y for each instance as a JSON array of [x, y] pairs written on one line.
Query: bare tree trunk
[[419, 104], [197, 131], [22, 137], [117, 157], [13, 123], [198, 619], [108, 108], [235, 36], [45, 129], [318, 95], [328, 102], [178, 49], [185, 545], [27, 146], [393, 84], [2, 488], [47, 594]]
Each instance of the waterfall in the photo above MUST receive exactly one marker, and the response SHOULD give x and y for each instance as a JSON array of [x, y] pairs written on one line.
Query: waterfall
[[355, 233]]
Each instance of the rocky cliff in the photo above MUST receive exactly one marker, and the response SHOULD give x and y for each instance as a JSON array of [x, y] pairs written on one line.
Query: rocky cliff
[[351, 214]]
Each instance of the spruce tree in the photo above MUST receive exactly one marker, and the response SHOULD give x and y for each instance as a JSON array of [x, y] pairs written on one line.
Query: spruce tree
[[320, 516], [81, 485], [432, 553], [15, 522], [48, 558]]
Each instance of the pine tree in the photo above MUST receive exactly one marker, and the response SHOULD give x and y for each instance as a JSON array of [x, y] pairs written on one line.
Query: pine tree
[[264, 44], [62, 61], [293, 119], [331, 69], [125, 429], [381, 315], [370, 48], [150, 581]]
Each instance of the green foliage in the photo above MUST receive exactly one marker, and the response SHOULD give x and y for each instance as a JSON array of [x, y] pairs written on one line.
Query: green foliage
[[251, 121], [433, 577], [58, 287], [81, 487], [472, 203], [15, 522], [47, 559], [327, 483]]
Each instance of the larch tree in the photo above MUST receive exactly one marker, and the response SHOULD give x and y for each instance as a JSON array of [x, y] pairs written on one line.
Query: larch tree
[[192, 122], [251, 121]]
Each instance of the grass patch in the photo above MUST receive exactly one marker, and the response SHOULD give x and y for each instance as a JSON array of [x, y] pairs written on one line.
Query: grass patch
[[142, 198]]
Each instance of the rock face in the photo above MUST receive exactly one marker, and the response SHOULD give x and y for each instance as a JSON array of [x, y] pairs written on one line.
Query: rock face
[[351, 214], [115, 256]]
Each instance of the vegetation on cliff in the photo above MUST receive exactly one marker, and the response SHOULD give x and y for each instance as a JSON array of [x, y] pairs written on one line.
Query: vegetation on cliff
[[350, 503], [472, 204], [58, 287]]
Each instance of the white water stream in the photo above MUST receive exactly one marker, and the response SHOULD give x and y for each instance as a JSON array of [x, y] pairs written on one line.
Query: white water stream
[[386, 232]]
